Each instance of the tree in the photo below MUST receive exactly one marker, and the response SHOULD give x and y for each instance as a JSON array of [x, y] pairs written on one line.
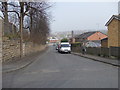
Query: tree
[[4, 9], [39, 21], [30, 15]]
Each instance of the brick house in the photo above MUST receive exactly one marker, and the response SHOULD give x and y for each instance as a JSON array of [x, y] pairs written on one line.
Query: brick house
[[90, 36], [114, 31], [53, 40]]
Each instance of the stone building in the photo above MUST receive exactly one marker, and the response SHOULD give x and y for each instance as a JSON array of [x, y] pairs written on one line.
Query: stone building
[[104, 42], [114, 31]]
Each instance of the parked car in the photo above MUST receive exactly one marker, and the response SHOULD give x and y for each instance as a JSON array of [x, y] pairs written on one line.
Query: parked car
[[64, 47], [54, 44]]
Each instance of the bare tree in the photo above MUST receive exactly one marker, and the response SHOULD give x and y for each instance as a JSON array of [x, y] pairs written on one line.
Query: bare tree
[[38, 15], [37, 19]]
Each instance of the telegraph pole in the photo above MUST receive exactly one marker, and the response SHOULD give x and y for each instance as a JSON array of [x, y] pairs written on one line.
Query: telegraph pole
[[72, 36]]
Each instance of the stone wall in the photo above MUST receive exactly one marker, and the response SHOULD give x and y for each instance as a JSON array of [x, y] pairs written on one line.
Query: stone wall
[[11, 49]]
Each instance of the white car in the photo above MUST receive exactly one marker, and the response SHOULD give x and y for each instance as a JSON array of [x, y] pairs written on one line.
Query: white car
[[64, 47]]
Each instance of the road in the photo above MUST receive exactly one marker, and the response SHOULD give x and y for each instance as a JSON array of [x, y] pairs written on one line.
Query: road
[[55, 70]]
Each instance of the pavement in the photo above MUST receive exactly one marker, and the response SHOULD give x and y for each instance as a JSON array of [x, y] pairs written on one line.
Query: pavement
[[110, 61], [55, 70], [20, 63]]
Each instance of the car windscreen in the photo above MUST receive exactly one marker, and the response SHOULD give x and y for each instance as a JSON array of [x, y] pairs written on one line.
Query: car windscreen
[[65, 45]]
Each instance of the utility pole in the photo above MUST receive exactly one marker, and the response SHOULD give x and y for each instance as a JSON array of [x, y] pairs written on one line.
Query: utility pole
[[72, 36], [21, 28]]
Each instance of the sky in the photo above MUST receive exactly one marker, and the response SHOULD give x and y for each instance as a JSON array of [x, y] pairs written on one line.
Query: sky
[[69, 16]]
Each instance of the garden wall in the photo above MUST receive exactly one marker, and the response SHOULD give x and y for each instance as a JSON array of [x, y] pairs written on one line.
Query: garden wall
[[11, 49]]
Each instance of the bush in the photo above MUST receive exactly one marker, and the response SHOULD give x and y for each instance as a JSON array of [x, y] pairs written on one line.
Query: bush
[[64, 40], [12, 36], [76, 44]]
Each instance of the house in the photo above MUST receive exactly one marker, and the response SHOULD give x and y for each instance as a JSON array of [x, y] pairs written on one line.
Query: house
[[90, 36], [114, 31], [53, 40], [72, 40], [104, 42]]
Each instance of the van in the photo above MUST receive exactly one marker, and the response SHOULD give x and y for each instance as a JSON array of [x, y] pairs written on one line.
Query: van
[[64, 47]]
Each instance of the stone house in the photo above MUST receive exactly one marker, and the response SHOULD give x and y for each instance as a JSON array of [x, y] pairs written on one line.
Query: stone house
[[114, 31], [104, 42]]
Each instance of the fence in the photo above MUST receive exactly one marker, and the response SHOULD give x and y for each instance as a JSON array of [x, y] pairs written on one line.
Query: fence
[[115, 51], [103, 51], [93, 51]]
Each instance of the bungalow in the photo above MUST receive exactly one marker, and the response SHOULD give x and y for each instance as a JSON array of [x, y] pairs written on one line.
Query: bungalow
[[53, 40], [114, 31], [90, 36]]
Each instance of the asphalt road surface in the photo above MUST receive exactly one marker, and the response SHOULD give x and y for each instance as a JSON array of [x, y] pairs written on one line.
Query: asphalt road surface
[[55, 70]]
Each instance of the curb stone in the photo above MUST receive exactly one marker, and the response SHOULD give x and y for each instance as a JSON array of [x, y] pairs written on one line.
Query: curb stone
[[113, 64], [18, 68]]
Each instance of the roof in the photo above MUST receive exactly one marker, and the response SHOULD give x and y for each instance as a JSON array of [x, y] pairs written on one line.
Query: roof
[[104, 39], [113, 17], [85, 35]]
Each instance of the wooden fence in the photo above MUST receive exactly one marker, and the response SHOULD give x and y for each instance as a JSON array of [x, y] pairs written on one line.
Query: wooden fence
[[103, 51]]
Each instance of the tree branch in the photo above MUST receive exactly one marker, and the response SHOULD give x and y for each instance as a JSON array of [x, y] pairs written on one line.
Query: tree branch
[[15, 12], [13, 5], [1, 17]]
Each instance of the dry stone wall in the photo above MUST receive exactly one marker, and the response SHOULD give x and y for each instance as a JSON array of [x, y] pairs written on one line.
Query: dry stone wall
[[11, 49]]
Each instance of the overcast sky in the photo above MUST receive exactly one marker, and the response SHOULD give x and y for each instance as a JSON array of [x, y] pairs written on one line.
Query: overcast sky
[[69, 16]]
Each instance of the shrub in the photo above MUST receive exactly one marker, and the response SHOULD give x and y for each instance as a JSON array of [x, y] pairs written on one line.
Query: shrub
[[64, 40], [76, 44], [12, 36]]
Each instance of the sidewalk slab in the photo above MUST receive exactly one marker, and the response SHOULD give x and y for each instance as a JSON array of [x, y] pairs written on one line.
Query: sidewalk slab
[[15, 65], [113, 62]]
